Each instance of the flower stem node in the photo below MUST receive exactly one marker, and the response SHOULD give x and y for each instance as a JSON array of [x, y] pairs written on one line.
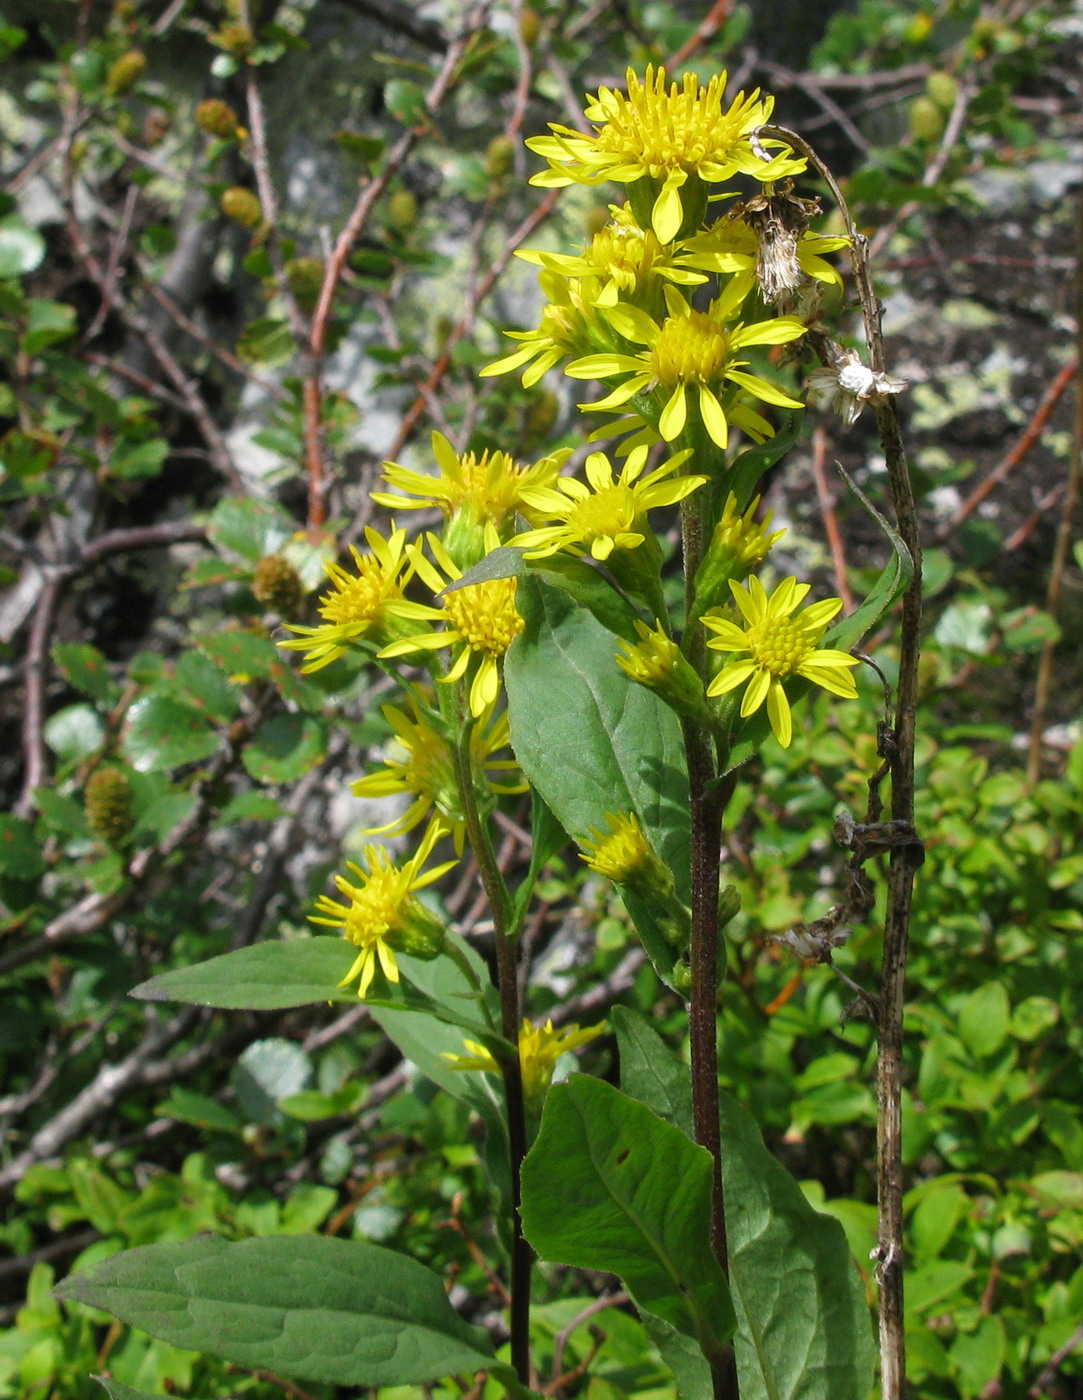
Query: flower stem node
[[657, 662], [779, 646]]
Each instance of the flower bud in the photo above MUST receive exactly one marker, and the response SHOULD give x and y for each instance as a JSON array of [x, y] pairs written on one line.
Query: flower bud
[[657, 663], [305, 278], [739, 544], [402, 210], [926, 119], [236, 39], [217, 118], [277, 585], [108, 802], [242, 206], [126, 71], [624, 855], [942, 89]]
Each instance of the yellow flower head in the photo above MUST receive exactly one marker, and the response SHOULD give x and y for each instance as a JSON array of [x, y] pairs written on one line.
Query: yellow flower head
[[539, 1049], [382, 916], [626, 261], [489, 487], [564, 329], [358, 605], [691, 353], [421, 765], [603, 513], [481, 620], [678, 142], [620, 852], [779, 646]]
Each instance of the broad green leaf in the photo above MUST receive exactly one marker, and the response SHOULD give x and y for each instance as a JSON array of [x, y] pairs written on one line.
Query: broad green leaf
[[284, 748], [264, 977], [592, 742], [651, 1072], [249, 528], [85, 668], [308, 1306], [984, 1019], [803, 1324], [932, 1283], [162, 733], [978, 1356], [609, 1185]]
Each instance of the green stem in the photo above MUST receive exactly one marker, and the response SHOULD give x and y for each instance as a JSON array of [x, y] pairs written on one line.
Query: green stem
[[500, 904]]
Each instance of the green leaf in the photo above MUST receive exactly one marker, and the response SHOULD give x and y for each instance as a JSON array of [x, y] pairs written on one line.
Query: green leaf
[[754, 461], [651, 1072], [250, 806], [47, 322], [309, 1306], [269, 1070], [21, 247], [284, 748], [608, 1185], [803, 1328], [250, 528], [592, 742], [406, 102], [208, 686], [199, 1110], [162, 733], [133, 460], [267, 342], [74, 733], [978, 1356], [20, 853], [984, 1018], [85, 668], [265, 977]]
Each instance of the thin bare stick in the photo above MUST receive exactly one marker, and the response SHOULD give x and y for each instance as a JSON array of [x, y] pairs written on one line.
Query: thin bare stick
[[897, 748]]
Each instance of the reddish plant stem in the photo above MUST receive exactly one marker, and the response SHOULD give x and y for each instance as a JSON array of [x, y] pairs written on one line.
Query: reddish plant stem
[[830, 519]]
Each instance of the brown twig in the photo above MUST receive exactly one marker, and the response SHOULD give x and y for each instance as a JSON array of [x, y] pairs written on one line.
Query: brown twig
[[1049, 1370], [708, 27], [336, 263], [602, 1304], [1066, 526], [1015, 454]]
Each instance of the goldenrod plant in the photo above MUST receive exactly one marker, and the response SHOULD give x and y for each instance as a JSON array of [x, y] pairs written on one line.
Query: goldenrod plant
[[607, 629]]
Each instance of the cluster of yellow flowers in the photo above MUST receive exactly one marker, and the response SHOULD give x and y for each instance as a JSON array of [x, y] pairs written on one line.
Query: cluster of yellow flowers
[[635, 311]]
